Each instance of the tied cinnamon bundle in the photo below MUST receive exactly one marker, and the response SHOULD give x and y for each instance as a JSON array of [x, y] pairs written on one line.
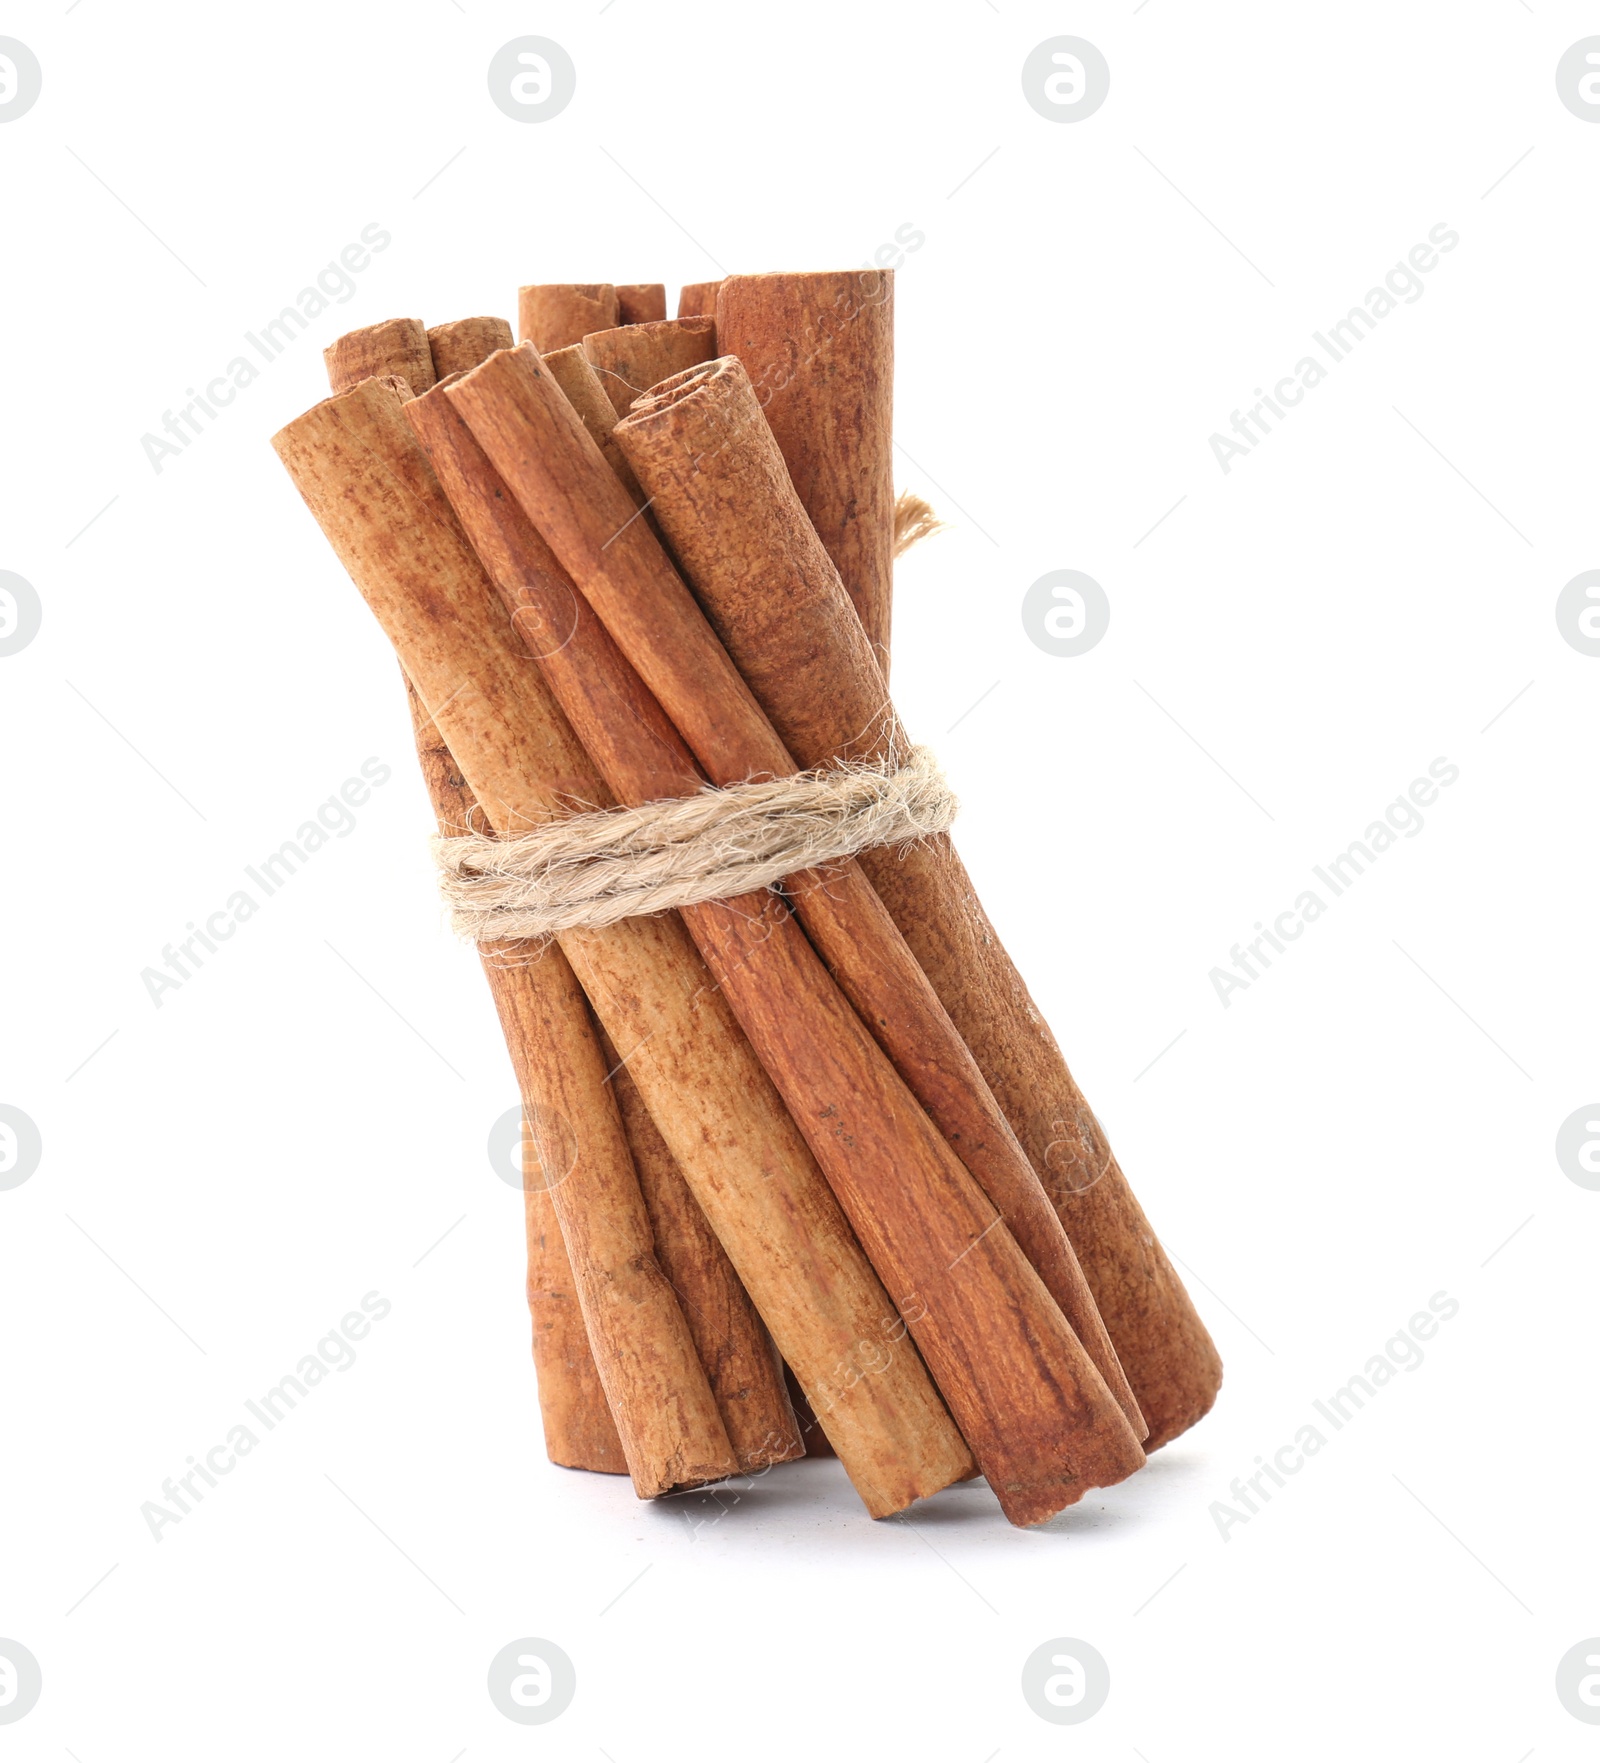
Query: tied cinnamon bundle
[[1029, 1399], [589, 1233], [358, 466], [705, 454]]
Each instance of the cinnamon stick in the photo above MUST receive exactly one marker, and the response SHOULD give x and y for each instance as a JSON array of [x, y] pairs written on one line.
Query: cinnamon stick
[[579, 1432], [819, 350], [734, 1347], [698, 300], [462, 343], [550, 315], [740, 1360], [361, 472], [574, 372], [640, 302], [703, 450], [396, 346], [1029, 1399], [705, 455], [633, 358]]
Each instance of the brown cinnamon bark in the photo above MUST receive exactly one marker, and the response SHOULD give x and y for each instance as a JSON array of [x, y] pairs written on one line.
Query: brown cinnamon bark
[[574, 372], [734, 1347], [737, 1352], [819, 350], [704, 453], [720, 490], [463, 343], [579, 1432], [361, 472], [698, 300], [641, 302], [634, 358], [550, 315], [665, 1414], [397, 346], [1033, 1406]]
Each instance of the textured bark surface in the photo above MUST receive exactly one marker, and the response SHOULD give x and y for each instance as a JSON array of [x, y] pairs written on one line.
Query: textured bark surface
[[397, 346], [463, 343], [641, 302], [370, 487], [766, 583], [698, 300], [819, 350], [737, 1352], [550, 315], [1029, 1399], [579, 1432], [631, 360], [574, 372]]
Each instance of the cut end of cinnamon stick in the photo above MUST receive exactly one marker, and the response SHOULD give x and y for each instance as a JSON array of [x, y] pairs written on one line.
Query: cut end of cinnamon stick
[[698, 299], [633, 358], [641, 302], [397, 346], [552, 315], [463, 343]]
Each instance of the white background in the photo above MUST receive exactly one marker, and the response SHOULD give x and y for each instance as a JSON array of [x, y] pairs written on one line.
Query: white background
[[1372, 1122]]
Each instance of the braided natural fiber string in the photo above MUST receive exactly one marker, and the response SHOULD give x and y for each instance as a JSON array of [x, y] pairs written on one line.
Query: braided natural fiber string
[[592, 870]]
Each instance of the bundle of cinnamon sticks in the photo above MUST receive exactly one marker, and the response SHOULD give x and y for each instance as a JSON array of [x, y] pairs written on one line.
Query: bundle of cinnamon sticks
[[806, 1171]]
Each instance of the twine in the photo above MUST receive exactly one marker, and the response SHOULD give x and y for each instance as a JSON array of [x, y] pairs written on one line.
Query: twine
[[591, 870]]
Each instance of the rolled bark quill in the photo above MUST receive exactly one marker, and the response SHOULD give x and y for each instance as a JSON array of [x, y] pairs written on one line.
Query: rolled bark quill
[[574, 372], [550, 315], [734, 1347], [698, 300], [463, 343], [579, 1432], [1027, 1396], [656, 1390], [819, 349], [578, 1429], [704, 454], [361, 472], [636, 357], [740, 1360], [397, 346], [639, 303]]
